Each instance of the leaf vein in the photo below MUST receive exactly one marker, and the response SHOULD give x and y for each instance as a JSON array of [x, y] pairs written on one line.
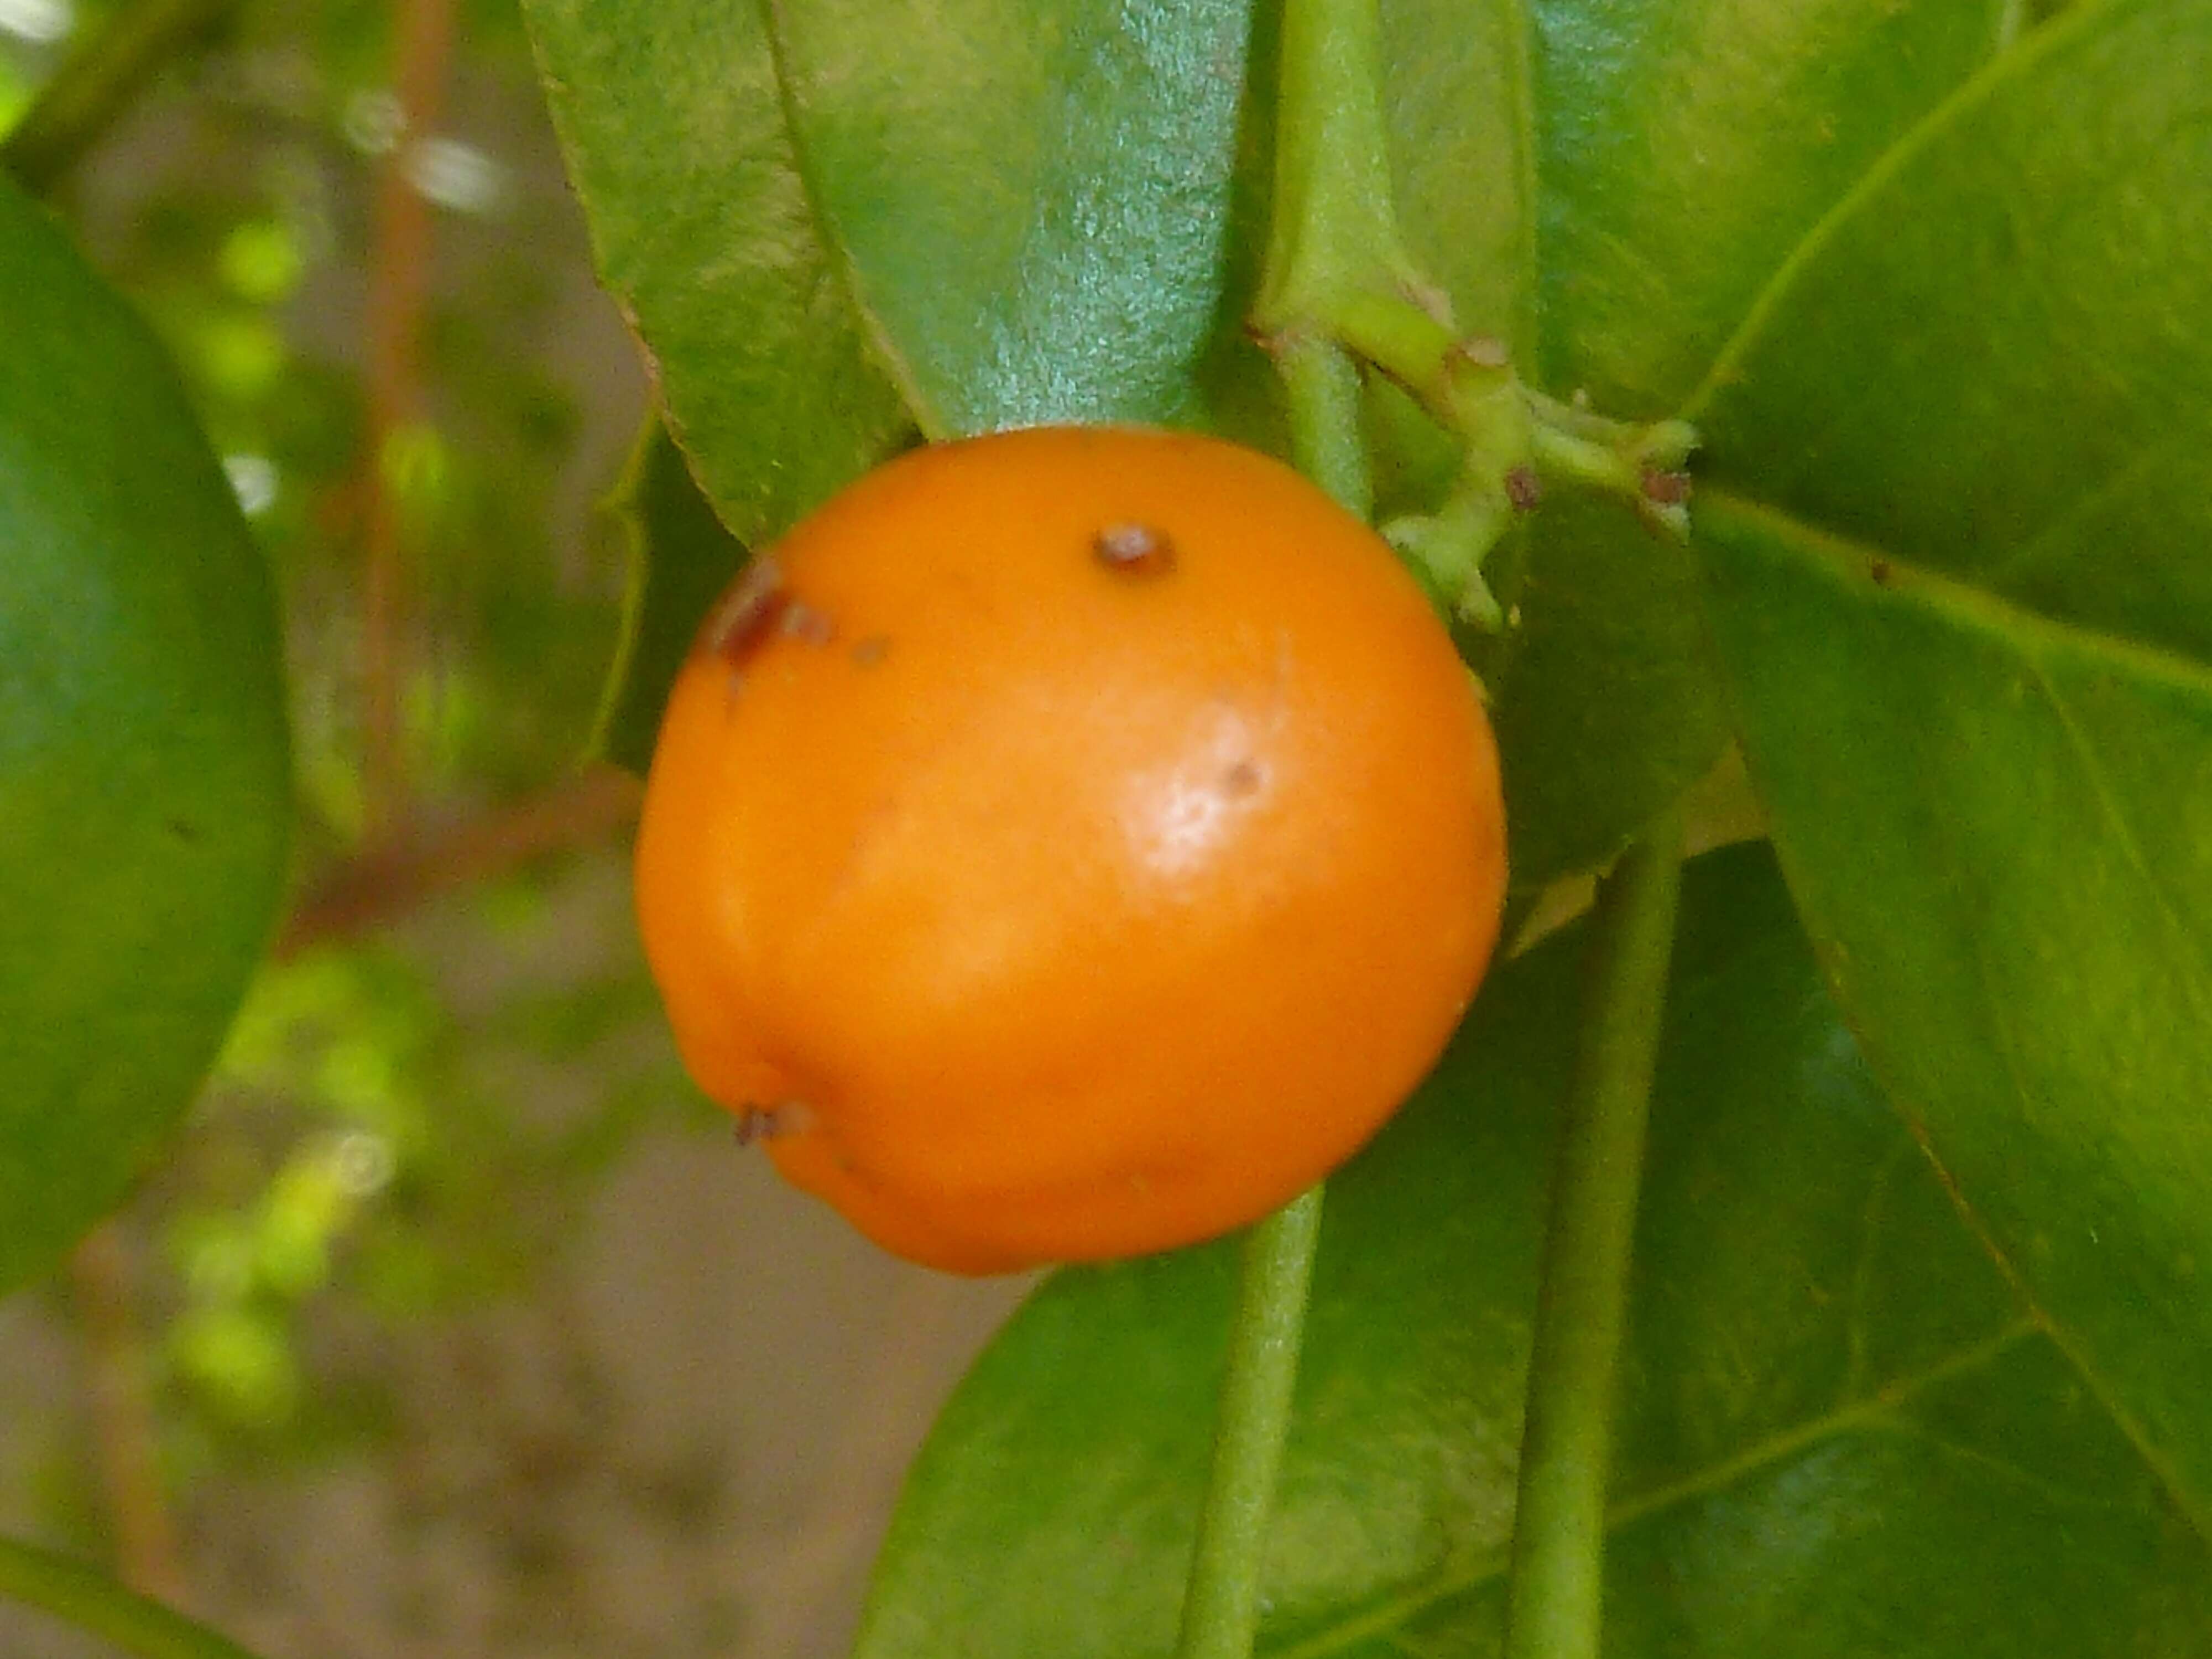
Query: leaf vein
[[1969, 95]]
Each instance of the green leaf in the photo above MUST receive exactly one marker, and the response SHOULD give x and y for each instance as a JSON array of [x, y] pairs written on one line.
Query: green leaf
[[1685, 148], [1610, 707], [1023, 213], [1838, 1426], [704, 226], [1457, 95], [1012, 213], [680, 557], [145, 786], [1960, 579], [1035, 200], [1688, 146]]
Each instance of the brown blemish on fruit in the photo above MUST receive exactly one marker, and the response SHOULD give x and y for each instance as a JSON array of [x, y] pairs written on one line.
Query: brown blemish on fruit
[[804, 624], [1879, 570], [1241, 779], [788, 1117], [1665, 488], [870, 651], [1524, 487], [1141, 549], [742, 617]]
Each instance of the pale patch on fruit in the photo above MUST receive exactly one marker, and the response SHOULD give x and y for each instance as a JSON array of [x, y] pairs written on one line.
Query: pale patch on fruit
[[1178, 818]]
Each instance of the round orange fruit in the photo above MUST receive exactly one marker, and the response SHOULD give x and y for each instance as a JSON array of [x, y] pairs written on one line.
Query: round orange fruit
[[1069, 843]]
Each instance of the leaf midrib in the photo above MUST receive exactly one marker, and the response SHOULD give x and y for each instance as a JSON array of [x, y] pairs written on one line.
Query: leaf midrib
[[2031, 632], [835, 252]]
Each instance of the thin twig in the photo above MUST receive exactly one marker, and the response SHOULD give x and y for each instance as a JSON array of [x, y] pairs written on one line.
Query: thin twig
[[101, 1290], [384, 884], [399, 277]]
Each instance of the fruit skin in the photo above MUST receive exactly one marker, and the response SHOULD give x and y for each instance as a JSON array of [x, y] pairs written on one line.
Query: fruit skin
[[1065, 891]]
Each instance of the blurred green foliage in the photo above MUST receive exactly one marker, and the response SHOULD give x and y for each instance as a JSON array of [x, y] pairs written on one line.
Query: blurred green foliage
[[411, 1124]]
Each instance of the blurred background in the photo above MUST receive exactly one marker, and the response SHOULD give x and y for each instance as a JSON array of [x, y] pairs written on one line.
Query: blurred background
[[455, 1323]]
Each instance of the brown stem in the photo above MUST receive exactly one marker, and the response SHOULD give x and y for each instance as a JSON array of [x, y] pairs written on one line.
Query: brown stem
[[100, 1278], [399, 271], [402, 873]]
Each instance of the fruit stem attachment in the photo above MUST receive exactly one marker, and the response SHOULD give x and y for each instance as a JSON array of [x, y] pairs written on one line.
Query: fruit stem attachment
[[93, 1602], [1554, 1585], [1221, 1603]]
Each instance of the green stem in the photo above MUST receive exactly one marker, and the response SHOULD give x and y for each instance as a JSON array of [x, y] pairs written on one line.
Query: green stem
[[1554, 1585], [96, 83], [1332, 220], [1221, 1607], [92, 1601], [1321, 386], [1334, 229]]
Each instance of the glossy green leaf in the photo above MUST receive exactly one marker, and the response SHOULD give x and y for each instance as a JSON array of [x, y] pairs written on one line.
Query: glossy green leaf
[[1963, 583], [1035, 200], [1010, 212], [1840, 1433], [703, 224], [1686, 147], [680, 557], [144, 790], [1029, 213]]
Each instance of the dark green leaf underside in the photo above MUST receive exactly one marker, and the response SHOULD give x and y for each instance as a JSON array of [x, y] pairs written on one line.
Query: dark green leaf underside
[[680, 558]]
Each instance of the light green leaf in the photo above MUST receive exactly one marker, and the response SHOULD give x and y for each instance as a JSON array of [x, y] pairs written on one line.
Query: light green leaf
[[1689, 145], [1962, 579], [1686, 147], [1035, 200]]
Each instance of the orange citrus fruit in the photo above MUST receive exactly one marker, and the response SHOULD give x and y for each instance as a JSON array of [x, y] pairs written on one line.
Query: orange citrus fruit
[[1069, 843]]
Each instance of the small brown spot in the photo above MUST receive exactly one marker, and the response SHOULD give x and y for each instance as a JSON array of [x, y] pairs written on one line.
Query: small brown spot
[[1140, 549], [1665, 488], [745, 612], [870, 651], [804, 623], [789, 1117], [1524, 487], [1241, 779], [1879, 570]]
